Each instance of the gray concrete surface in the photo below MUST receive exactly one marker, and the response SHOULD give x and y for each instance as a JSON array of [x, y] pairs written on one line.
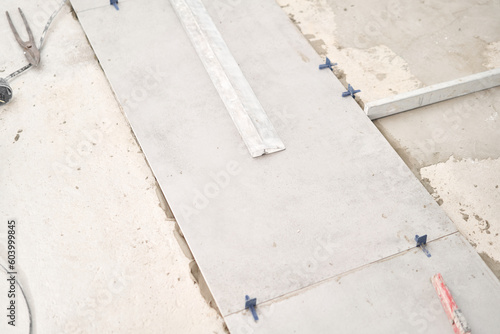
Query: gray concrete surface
[[439, 40]]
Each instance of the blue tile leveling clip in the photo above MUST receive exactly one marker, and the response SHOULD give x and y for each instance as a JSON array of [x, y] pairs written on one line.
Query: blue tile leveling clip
[[350, 91], [250, 304], [328, 64], [421, 242], [114, 3]]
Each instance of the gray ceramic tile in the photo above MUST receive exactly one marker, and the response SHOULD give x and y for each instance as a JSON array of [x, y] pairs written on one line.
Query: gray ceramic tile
[[84, 5], [337, 198], [393, 296]]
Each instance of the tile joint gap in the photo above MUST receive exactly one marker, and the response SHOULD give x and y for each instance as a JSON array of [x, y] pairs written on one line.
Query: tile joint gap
[[343, 273]]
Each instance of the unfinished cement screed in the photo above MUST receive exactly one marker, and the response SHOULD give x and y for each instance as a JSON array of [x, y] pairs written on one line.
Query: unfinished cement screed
[[319, 185], [90, 231]]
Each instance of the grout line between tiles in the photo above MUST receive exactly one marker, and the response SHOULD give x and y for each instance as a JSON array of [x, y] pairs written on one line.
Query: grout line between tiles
[[343, 273]]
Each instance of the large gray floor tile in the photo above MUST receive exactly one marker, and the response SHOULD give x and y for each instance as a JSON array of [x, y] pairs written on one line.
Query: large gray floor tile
[[392, 296], [339, 194]]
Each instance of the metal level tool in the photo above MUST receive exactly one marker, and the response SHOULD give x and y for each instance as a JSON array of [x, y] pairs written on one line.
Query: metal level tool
[[243, 106]]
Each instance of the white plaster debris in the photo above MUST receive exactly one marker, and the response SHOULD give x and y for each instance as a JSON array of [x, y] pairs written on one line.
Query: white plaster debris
[[492, 55], [470, 193], [373, 70]]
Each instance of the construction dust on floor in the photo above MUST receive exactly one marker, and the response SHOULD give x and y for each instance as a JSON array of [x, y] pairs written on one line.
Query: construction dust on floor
[[132, 204]]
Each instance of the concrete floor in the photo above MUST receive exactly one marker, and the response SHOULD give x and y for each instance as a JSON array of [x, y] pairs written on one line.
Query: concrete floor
[[91, 183], [96, 253]]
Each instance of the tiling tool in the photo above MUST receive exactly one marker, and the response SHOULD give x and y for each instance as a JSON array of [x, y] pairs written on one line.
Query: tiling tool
[[456, 316], [29, 47], [421, 242], [250, 304], [328, 64], [243, 106], [114, 3], [31, 51], [350, 91]]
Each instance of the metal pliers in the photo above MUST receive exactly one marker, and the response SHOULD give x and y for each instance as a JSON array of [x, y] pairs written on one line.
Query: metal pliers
[[30, 49]]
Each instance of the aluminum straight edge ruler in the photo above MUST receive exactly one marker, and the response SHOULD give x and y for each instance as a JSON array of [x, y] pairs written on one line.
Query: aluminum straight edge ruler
[[433, 94], [247, 113]]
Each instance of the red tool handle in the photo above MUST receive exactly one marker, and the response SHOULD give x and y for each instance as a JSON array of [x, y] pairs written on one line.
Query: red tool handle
[[456, 317]]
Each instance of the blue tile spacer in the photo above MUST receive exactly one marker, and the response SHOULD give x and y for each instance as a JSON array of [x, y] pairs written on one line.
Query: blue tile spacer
[[250, 304], [350, 91], [328, 64], [114, 3], [421, 242]]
